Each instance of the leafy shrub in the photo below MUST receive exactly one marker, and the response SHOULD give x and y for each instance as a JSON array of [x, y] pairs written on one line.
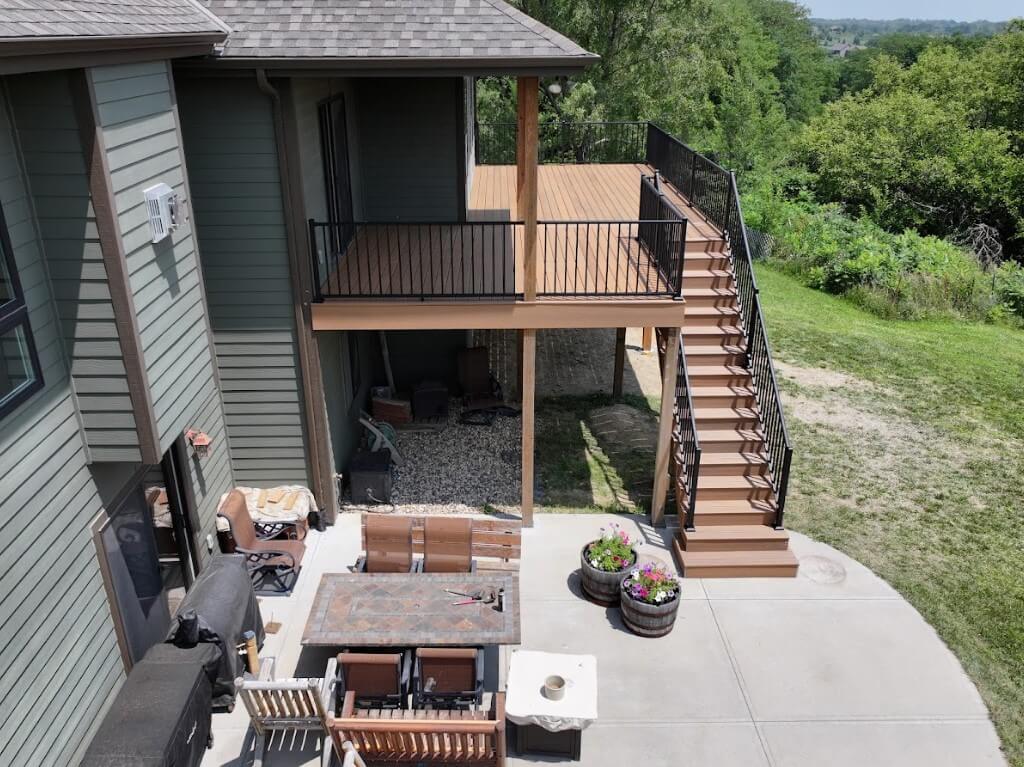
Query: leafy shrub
[[907, 275]]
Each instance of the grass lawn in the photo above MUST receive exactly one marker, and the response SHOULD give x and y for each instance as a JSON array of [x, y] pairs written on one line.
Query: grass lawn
[[909, 456]]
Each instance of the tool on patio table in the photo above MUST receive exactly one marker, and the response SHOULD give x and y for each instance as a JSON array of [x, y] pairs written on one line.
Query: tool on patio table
[[483, 598]]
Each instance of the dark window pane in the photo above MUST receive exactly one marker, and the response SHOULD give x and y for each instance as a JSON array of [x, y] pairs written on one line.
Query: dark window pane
[[6, 284], [15, 364]]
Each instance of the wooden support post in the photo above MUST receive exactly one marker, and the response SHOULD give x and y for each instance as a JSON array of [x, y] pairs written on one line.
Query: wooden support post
[[519, 364], [529, 380], [526, 178], [620, 361], [648, 342], [668, 397]]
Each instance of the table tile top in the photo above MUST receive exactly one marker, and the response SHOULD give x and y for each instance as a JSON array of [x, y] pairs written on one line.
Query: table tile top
[[411, 609]]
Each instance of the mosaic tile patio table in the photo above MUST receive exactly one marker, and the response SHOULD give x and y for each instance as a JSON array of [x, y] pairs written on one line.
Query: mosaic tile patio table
[[411, 609]]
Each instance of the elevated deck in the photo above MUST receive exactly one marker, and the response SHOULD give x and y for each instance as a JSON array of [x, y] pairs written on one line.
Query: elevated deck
[[590, 259]]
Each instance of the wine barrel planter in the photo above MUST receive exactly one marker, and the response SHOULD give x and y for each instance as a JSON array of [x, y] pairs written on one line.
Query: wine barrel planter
[[601, 586], [646, 619]]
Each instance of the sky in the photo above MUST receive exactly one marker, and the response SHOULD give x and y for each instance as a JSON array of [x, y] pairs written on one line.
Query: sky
[[958, 10]]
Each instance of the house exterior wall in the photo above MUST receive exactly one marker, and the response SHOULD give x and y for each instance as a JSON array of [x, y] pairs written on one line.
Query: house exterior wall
[[239, 217], [50, 585], [135, 109], [44, 112], [408, 147]]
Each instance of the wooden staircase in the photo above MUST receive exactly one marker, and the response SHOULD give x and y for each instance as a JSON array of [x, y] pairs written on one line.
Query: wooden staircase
[[734, 533]]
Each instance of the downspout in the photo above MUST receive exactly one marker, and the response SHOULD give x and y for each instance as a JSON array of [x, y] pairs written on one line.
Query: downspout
[[322, 477]]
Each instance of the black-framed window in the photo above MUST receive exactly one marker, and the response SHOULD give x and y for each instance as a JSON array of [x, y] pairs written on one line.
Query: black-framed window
[[20, 376]]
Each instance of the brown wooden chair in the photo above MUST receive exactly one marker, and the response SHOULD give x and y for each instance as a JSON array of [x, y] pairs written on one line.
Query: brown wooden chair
[[448, 677], [415, 737], [448, 545], [388, 545], [379, 680], [279, 559]]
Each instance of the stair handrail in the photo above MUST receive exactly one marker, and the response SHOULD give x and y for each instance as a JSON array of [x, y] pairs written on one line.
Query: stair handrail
[[759, 353], [687, 439]]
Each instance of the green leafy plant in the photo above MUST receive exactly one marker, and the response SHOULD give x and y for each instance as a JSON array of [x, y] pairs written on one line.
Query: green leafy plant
[[613, 551]]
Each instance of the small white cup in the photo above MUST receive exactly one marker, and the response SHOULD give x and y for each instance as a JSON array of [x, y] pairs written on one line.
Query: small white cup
[[554, 687]]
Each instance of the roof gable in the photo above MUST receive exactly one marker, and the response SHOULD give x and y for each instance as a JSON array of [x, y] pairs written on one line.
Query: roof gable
[[28, 20]]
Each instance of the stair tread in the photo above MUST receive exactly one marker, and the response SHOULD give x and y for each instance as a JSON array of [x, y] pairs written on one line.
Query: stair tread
[[725, 481], [729, 435], [739, 506], [699, 351], [721, 413], [706, 272], [708, 292], [736, 533], [712, 311], [764, 558], [732, 459], [711, 330], [698, 371], [721, 391]]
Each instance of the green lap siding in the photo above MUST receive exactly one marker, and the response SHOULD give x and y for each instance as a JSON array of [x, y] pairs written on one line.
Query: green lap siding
[[239, 213], [52, 150], [50, 584]]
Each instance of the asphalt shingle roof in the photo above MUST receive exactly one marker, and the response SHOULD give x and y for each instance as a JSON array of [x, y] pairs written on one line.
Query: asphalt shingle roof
[[389, 29], [41, 19]]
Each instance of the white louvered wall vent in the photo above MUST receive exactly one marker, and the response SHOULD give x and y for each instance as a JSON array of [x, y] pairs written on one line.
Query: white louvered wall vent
[[162, 206]]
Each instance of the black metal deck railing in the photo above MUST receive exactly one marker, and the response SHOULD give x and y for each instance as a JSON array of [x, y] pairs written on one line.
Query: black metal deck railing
[[686, 443], [414, 260], [483, 260], [564, 142], [712, 190]]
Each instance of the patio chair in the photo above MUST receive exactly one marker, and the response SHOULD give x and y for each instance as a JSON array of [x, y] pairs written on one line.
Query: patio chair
[[388, 545], [448, 677], [448, 545], [289, 706], [379, 680], [278, 559]]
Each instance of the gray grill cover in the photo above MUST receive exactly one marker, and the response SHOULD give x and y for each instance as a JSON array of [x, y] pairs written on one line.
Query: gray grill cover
[[219, 608]]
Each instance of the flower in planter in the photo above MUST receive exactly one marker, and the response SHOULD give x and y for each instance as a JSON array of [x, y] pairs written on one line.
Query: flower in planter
[[612, 552], [652, 584]]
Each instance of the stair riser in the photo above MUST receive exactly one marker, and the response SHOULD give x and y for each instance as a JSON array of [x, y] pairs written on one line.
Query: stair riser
[[732, 518], [704, 246], [740, 571], [734, 359], [709, 321], [719, 379], [724, 400], [702, 260], [724, 422], [736, 545], [714, 339], [726, 302], [734, 494], [706, 281], [732, 469]]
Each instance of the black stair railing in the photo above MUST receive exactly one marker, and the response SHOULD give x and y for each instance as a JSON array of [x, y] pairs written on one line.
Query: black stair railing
[[665, 242], [686, 442], [712, 190]]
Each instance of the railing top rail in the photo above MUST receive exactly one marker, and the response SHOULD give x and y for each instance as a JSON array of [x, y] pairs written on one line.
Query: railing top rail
[[567, 122], [688, 148], [758, 313], [507, 223]]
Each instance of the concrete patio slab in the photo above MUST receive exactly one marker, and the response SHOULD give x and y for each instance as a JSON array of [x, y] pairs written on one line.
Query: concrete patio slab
[[882, 744], [843, 659], [684, 686], [692, 745], [831, 668]]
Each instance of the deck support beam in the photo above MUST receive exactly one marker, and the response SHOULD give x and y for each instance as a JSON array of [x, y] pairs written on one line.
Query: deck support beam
[[526, 177], [620, 361], [648, 341], [529, 361], [669, 370]]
